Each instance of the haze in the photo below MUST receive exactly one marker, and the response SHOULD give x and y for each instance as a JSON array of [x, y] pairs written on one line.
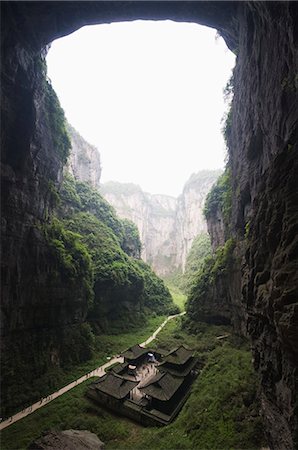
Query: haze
[[148, 95]]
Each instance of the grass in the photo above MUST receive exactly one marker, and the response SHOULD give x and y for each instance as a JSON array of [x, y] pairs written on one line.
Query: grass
[[221, 412], [72, 410], [178, 297], [108, 345], [105, 346]]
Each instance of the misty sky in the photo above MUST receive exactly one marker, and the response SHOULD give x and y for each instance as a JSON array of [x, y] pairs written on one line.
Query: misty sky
[[148, 95]]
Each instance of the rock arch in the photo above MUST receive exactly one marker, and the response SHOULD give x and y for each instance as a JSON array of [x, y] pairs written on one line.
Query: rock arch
[[263, 164]]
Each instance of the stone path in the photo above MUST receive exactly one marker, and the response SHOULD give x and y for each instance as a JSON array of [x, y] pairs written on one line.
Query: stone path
[[98, 372]]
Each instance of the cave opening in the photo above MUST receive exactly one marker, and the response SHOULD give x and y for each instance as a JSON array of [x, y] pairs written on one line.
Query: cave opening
[[264, 169], [148, 95]]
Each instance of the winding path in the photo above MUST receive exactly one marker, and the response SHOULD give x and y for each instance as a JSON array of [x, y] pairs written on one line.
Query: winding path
[[99, 372]]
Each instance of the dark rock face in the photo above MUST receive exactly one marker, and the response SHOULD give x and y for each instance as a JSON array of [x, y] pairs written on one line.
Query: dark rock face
[[263, 146], [264, 173], [270, 291], [216, 229], [68, 440]]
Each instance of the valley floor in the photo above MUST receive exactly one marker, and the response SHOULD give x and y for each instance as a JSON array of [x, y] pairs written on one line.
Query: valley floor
[[222, 411], [98, 372]]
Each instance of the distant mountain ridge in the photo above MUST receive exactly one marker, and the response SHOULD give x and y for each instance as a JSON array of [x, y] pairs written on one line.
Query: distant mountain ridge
[[167, 225]]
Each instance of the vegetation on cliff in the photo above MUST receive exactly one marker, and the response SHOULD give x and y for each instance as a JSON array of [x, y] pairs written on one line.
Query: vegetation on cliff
[[180, 284], [220, 197], [89, 275], [124, 287], [69, 257], [209, 295], [131, 242], [55, 118], [214, 267], [200, 249]]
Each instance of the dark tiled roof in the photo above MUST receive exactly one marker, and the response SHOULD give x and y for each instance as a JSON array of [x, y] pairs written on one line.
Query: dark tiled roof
[[115, 385], [181, 370], [178, 356], [134, 352], [162, 387], [120, 367]]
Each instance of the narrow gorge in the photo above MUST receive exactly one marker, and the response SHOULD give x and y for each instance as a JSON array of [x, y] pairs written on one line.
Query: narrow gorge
[[70, 268], [167, 225]]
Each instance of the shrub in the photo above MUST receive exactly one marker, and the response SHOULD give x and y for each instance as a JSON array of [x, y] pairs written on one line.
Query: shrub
[[220, 197], [70, 255], [56, 123], [213, 267]]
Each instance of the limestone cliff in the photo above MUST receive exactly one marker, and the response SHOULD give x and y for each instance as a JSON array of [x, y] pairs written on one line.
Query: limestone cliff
[[167, 225], [263, 161], [84, 159], [190, 220]]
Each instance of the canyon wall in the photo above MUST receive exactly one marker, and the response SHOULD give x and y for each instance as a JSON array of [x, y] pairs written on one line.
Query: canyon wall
[[263, 162], [263, 155], [167, 225], [84, 159]]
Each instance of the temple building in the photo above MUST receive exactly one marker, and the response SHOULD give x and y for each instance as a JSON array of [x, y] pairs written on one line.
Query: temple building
[[135, 355], [163, 391], [111, 388], [148, 387], [179, 362]]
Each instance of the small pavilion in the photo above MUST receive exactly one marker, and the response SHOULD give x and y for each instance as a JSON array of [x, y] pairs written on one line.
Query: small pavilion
[[179, 362], [135, 355], [112, 387], [163, 391]]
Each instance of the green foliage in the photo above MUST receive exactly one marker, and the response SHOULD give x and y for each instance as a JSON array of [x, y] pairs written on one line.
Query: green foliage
[[221, 412], [93, 286], [131, 242], [247, 228], [82, 351], [54, 194], [118, 281], [200, 249], [223, 258], [174, 279], [102, 244], [180, 283], [156, 295], [77, 345], [56, 122], [214, 266], [94, 203], [122, 284], [178, 297], [227, 127], [70, 256], [220, 197], [227, 119], [68, 193]]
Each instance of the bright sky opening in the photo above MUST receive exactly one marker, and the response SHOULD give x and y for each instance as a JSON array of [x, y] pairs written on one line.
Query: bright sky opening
[[148, 95]]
